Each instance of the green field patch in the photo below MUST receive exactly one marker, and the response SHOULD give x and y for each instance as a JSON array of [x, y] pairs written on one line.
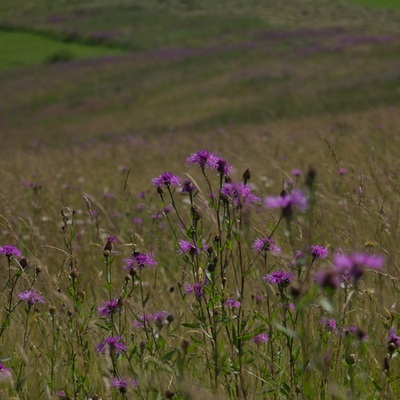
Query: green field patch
[[377, 3], [23, 49]]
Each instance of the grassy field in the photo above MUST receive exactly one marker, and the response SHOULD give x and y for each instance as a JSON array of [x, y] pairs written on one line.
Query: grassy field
[[182, 302]]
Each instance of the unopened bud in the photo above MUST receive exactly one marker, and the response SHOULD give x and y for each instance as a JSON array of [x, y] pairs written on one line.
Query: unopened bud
[[246, 175], [74, 273]]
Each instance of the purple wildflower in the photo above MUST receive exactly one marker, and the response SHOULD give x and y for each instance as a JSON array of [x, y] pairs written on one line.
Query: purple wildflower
[[186, 247], [109, 307], [160, 318], [350, 266], [280, 278], [393, 340], [232, 303], [260, 338], [239, 193], [111, 345], [166, 179], [139, 261], [122, 384], [195, 288], [327, 278], [287, 306], [188, 186], [318, 251], [296, 173], [31, 297], [354, 330], [287, 201], [329, 324], [62, 395], [10, 251], [5, 373], [298, 260], [223, 167], [266, 244], [137, 220], [342, 171], [203, 158], [109, 245]]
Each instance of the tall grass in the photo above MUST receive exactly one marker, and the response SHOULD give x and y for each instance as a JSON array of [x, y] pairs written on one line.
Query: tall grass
[[134, 286]]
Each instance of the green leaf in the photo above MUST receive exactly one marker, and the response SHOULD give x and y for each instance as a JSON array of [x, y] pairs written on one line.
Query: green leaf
[[168, 356]]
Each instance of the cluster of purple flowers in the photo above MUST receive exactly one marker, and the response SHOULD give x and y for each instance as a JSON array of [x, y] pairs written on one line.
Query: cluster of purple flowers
[[139, 261], [206, 159]]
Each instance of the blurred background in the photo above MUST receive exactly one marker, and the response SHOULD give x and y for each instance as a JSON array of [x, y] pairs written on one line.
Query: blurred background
[[77, 71]]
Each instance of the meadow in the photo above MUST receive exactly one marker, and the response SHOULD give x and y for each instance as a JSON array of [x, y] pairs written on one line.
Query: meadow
[[199, 200]]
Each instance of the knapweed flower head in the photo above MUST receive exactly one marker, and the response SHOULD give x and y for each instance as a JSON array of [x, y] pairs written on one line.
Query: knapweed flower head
[[280, 278], [62, 394], [195, 288], [203, 158], [188, 186], [110, 307], [327, 278], [296, 173], [330, 324], [186, 247], [159, 318], [111, 345], [10, 251], [393, 340], [232, 303], [355, 331], [5, 373], [318, 251], [166, 179], [123, 384], [239, 194], [266, 244], [222, 166], [296, 199], [260, 338], [350, 267], [109, 244], [139, 261], [31, 297]]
